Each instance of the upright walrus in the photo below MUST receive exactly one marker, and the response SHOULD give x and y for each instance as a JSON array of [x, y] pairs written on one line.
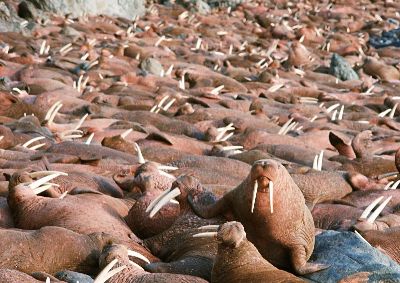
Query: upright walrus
[[273, 212]]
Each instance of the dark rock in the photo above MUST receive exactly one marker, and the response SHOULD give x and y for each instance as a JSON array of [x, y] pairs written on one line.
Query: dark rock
[[388, 38], [341, 69], [73, 277], [347, 254]]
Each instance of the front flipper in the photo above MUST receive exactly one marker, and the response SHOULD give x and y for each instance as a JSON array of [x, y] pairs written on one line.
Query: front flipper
[[205, 204], [300, 264]]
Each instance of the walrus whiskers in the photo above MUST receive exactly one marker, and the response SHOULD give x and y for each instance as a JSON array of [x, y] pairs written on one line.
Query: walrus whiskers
[[370, 207], [164, 200], [254, 196], [376, 213], [138, 255]]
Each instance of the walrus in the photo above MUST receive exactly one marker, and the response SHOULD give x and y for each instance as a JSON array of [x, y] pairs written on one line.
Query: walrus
[[238, 260], [273, 212]]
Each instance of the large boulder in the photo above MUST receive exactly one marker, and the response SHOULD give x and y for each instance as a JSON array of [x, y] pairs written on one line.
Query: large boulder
[[348, 254], [9, 20], [117, 8]]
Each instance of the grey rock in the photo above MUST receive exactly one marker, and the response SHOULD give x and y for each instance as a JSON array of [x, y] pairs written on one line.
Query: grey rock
[[152, 66], [73, 277], [9, 20], [347, 254], [341, 69], [116, 8], [202, 7]]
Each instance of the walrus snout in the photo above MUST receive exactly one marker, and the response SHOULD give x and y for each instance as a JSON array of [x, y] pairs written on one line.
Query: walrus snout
[[231, 234]]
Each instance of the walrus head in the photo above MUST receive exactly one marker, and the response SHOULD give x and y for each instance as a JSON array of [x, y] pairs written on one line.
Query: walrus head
[[231, 234], [183, 187], [263, 175]]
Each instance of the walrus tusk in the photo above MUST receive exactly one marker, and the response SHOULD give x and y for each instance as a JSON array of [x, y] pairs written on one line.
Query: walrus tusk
[[169, 71], [361, 237], [376, 213], [332, 107], [208, 227], [37, 146], [166, 167], [43, 180], [370, 207], [227, 137], [53, 115], [138, 255], [216, 90], [320, 158], [205, 235], [169, 104], [140, 155], [395, 185], [340, 116], [156, 200], [164, 200], [253, 196], [1, 137], [136, 265], [45, 173], [41, 189], [51, 109], [386, 175], [166, 174], [282, 130], [384, 113], [271, 196], [64, 194], [333, 118], [81, 121], [71, 132], [89, 140], [105, 274], [126, 133], [232, 147], [32, 141], [315, 162]]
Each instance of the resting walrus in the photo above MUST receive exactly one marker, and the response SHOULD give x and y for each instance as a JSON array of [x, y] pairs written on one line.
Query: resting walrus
[[238, 260], [273, 212]]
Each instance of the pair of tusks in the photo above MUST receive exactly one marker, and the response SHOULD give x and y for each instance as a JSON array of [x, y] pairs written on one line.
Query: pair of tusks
[[52, 112], [390, 111], [42, 184], [288, 126], [309, 100], [207, 234], [164, 198], [317, 164], [107, 273], [28, 143], [160, 106], [392, 185], [271, 196], [222, 131], [137, 148], [371, 218]]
